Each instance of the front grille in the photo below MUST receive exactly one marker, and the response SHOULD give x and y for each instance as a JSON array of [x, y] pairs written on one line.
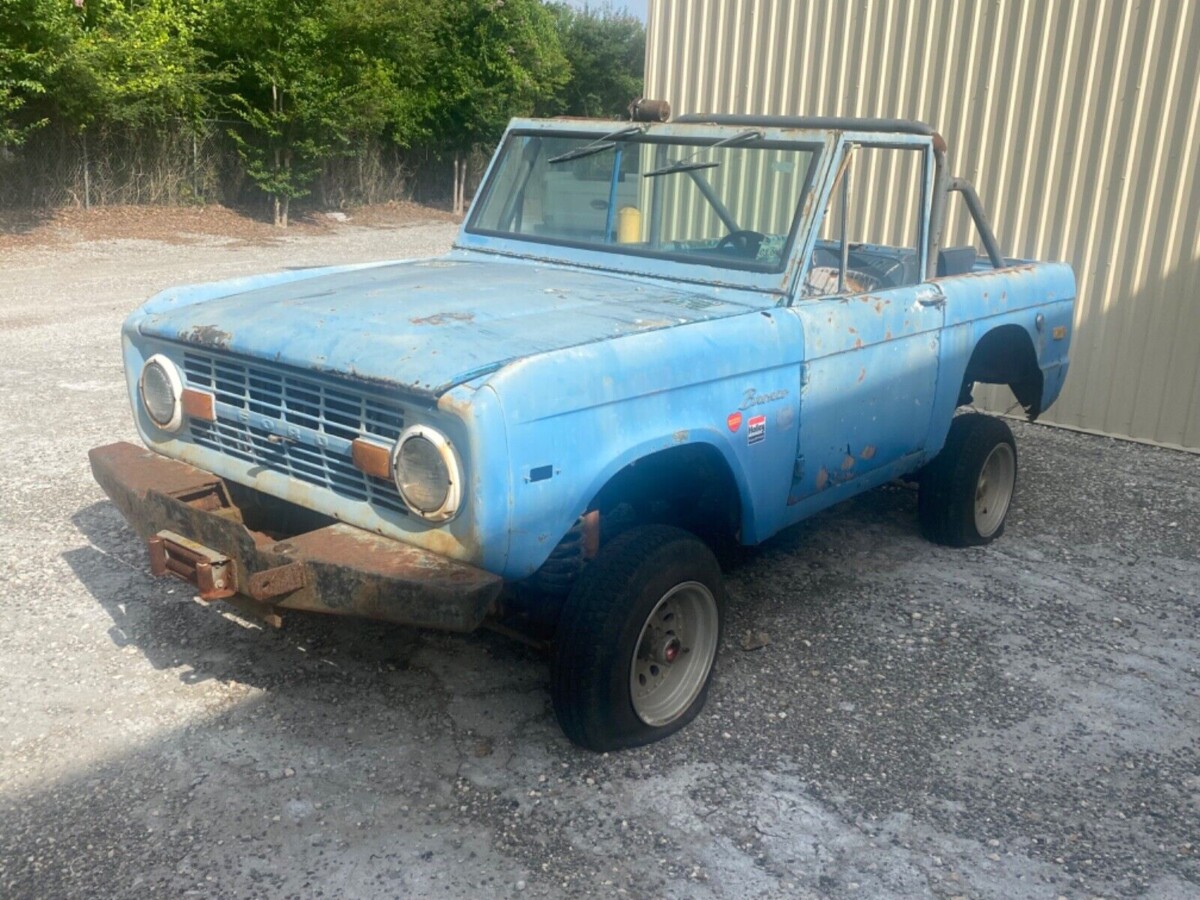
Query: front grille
[[322, 416]]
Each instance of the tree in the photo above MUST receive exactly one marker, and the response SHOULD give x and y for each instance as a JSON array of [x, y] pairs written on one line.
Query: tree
[[300, 82], [494, 59], [606, 51], [309, 77], [133, 66], [15, 89], [98, 65], [34, 35]]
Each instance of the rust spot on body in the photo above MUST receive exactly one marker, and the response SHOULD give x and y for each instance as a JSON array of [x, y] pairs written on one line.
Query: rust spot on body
[[461, 407], [443, 318], [858, 342], [822, 478], [847, 463], [207, 336], [868, 452], [862, 373]]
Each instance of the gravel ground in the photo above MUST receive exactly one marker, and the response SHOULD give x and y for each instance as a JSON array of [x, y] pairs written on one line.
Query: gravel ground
[[1021, 720]]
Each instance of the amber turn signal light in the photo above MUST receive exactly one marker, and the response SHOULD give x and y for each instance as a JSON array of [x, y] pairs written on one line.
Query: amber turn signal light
[[372, 458], [198, 405]]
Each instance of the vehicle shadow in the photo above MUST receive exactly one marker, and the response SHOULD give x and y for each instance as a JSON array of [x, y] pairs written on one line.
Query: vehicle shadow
[[336, 751], [165, 623], [162, 620]]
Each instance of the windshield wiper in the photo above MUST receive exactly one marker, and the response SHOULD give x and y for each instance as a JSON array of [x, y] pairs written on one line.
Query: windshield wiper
[[683, 165], [680, 166], [607, 142]]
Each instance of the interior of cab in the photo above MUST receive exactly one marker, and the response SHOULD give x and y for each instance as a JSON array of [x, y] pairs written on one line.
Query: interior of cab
[[870, 235], [730, 202]]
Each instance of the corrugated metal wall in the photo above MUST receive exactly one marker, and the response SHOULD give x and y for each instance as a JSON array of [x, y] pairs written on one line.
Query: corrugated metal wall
[[1076, 119]]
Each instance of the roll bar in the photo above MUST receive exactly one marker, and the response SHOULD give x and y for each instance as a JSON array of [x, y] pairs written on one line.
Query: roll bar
[[944, 184]]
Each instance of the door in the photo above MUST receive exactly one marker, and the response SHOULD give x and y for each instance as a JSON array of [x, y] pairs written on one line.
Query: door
[[871, 324]]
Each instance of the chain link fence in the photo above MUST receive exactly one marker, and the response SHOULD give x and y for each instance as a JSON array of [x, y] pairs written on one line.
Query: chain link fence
[[187, 164]]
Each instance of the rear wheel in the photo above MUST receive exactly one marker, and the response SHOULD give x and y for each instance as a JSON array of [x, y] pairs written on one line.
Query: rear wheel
[[968, 487], [637, 638]]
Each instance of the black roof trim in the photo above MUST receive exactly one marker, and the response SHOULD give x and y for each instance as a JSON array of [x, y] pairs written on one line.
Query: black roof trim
[[835, 123]]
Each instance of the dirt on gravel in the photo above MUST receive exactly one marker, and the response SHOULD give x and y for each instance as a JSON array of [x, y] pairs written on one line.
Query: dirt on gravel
[[188, 224], [1019, 720]]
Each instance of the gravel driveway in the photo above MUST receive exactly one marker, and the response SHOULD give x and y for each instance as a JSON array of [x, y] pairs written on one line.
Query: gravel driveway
[[1016, 721]]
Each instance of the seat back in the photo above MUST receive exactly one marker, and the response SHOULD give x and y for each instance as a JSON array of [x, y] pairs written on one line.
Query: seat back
[[955, 261]]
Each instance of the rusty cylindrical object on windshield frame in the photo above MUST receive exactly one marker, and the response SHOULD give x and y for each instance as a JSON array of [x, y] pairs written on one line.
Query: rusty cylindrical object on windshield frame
[[644, 109]]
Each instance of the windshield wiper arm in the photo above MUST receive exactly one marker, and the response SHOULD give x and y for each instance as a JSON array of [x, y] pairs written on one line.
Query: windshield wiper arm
[[607, 142], [736, 139], [680, 166], [683, 165]]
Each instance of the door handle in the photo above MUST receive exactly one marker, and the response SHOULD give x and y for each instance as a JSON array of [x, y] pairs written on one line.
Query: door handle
[[937, 300]]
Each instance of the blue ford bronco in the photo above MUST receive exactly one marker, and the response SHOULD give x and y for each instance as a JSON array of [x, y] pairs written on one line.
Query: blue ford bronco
[[649, 338]]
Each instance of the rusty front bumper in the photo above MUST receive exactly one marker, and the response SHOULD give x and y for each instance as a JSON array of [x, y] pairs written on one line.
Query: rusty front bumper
[[196, 532]]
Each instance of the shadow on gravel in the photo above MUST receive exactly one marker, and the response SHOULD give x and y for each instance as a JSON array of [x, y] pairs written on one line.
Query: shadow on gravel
[[330, 761], [162, 620], [1011, 720], [310, 790]]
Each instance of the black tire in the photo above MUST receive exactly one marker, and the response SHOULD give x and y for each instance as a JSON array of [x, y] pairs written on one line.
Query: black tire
[[947, 500], [600, 627]]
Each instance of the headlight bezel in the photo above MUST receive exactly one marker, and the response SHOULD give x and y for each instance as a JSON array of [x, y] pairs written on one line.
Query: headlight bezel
[[449, 507], [174, 382]]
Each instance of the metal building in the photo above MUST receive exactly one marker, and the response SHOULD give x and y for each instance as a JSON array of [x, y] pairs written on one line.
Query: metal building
[[1076, 119]]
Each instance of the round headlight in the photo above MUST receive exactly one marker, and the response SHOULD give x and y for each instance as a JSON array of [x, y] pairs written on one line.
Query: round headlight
[[426, 473], [161, 389]]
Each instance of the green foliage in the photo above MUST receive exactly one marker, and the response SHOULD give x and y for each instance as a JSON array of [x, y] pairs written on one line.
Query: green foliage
[[493, 60], [133, 64], [14, 92], [34, 34], [310, 79], [298, 83], [606, 50]]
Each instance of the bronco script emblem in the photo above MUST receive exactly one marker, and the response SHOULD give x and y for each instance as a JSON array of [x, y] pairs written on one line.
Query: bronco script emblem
[[752, 398]]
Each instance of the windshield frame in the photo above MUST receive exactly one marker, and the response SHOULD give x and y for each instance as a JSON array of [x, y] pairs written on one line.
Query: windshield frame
[[657, 263]]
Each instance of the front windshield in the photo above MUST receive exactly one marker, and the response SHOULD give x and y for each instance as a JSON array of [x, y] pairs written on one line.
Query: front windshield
[[730, 202]]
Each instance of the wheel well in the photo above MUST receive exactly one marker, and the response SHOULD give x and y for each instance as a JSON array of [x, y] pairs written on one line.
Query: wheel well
[[1005, 355], [690, 486]]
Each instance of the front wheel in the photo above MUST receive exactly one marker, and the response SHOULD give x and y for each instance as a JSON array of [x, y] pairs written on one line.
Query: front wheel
[[637, 638], [967, 488]]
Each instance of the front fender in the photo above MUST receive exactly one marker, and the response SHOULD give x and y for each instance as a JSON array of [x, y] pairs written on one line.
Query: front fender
[[577, 417]]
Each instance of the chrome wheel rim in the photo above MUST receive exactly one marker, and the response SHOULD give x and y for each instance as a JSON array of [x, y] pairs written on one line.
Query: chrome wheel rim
[[994, 490], [674, 653]]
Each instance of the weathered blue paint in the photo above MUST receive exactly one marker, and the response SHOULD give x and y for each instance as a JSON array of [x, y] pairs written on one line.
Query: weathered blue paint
[[427, 325], [531, 356]]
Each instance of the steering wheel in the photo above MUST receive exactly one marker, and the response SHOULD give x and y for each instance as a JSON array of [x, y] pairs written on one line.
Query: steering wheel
[[743, 242]]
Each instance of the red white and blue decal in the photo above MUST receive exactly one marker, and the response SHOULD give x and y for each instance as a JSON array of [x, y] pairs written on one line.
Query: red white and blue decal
[[756, 429]]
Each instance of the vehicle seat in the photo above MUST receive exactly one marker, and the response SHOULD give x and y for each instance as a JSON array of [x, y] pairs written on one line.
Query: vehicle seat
[[955, 261]]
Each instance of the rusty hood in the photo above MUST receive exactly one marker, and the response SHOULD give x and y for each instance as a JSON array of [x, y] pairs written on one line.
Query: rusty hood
[[428, 325]]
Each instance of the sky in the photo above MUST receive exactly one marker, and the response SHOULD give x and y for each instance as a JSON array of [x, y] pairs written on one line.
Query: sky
[[635, 7]]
